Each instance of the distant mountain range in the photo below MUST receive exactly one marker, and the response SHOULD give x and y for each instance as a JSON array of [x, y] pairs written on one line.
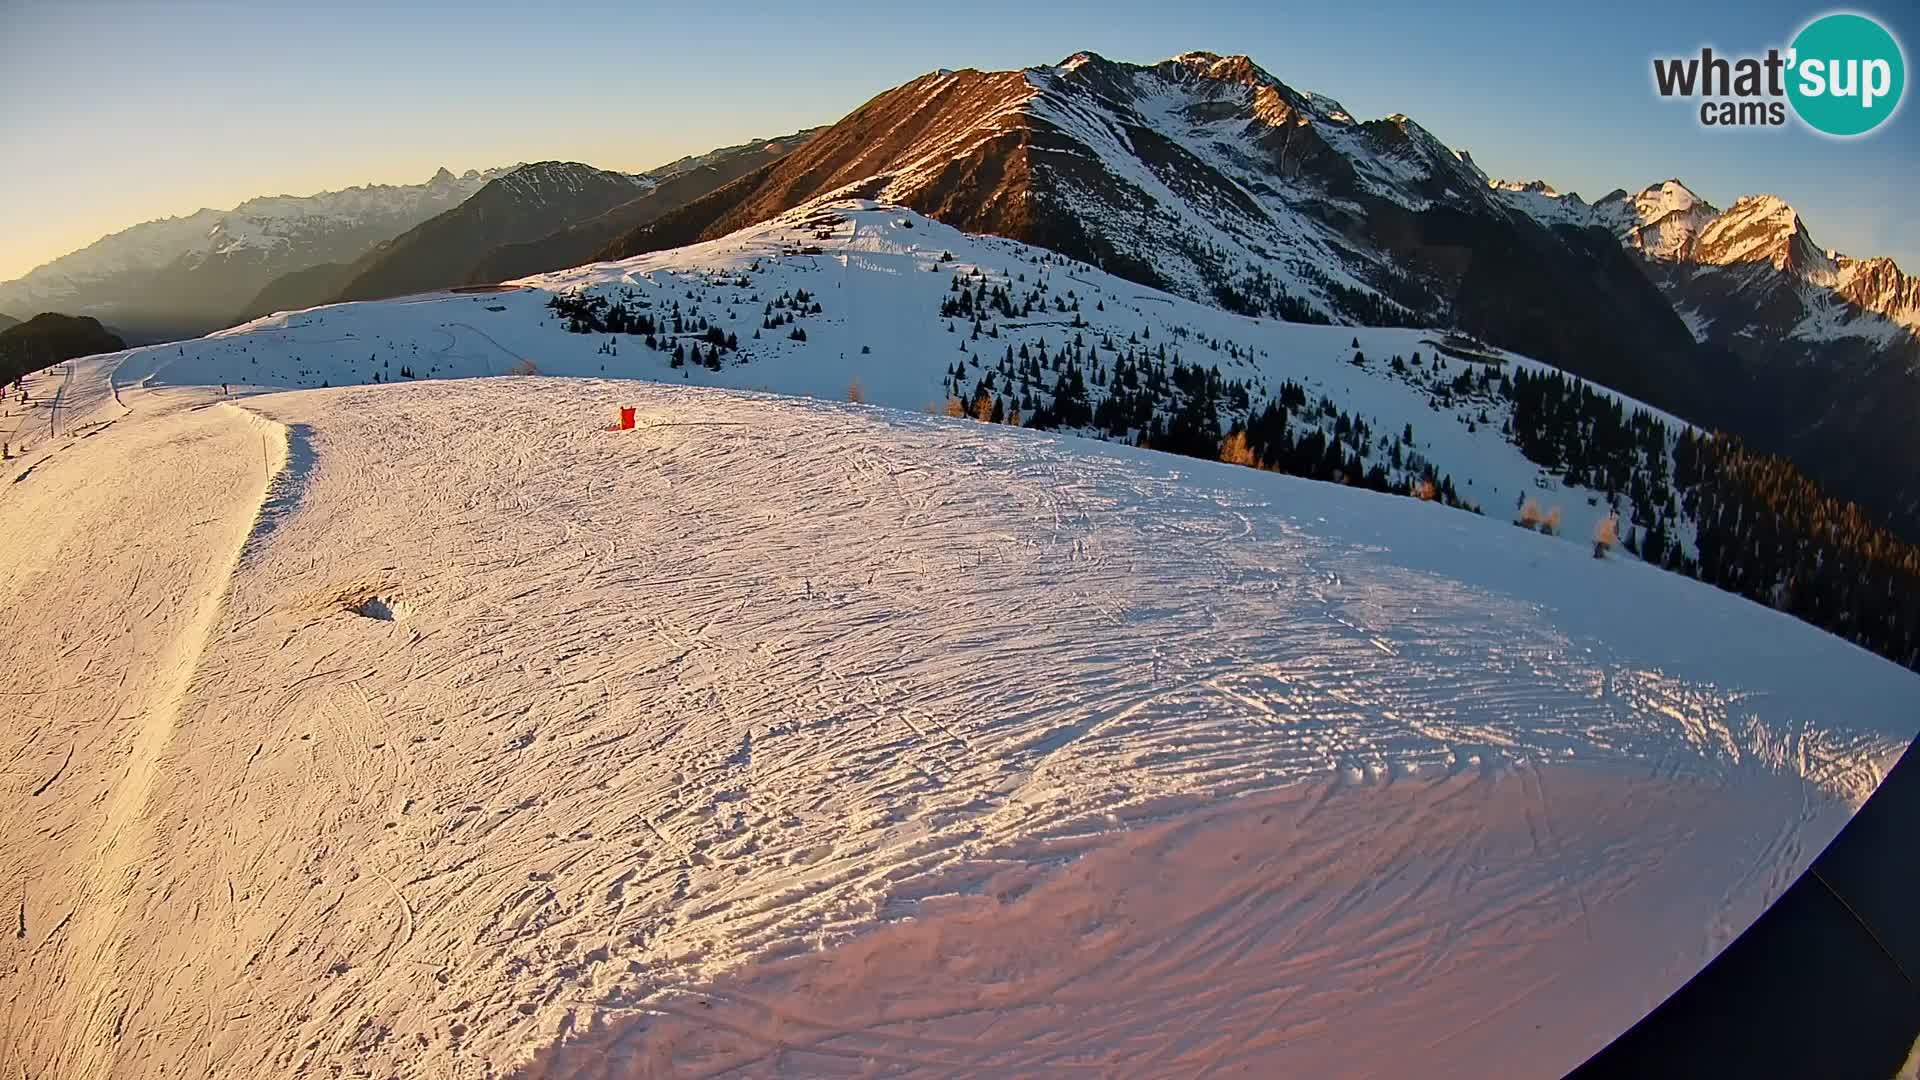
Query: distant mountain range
[[1206, 176], [1750, 272], [186, 275], [530, 201], [1829, 344], [545, 216]]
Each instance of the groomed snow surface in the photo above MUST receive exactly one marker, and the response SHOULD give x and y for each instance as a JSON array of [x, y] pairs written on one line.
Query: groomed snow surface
[[435, 730]]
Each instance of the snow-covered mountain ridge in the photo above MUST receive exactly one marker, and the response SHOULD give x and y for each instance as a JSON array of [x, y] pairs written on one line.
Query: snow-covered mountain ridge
[[183, 275], [1667, 223], [268, 221], [1208, 177], [542, 181], [1199, 174], [1815, 353], [526, 203]]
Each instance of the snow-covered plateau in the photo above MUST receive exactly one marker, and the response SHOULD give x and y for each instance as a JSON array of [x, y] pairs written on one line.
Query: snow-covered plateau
[[435, 729]]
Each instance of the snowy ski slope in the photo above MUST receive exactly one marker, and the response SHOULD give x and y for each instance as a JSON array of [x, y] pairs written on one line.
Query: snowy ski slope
[[433, 730], [436, 730]]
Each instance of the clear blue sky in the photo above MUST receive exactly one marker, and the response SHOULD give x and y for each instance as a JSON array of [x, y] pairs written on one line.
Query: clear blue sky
[[113, 113]]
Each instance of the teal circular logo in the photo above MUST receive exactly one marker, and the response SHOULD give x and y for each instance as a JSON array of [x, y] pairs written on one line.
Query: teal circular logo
[[1847, 74]]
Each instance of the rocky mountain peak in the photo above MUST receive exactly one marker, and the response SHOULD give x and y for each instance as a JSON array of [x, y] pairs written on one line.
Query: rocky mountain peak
[[1238, 68], [1534, 187], [1667, 196], [1762, 228], [1660, 222]]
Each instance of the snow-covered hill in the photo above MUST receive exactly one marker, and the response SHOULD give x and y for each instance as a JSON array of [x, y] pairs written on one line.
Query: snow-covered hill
[[450, 731], [1419, 405]]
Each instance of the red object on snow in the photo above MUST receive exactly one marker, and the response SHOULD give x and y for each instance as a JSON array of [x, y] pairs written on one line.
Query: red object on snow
[[626, 419]]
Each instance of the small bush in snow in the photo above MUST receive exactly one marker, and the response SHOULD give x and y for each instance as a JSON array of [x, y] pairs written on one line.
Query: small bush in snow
[[983, 407], [1235, 451], [1529, 515], [1605, 535]]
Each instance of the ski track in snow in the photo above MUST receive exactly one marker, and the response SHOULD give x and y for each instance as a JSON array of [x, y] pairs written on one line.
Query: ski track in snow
[[99, 679], [1318, 929], [434, 730]]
